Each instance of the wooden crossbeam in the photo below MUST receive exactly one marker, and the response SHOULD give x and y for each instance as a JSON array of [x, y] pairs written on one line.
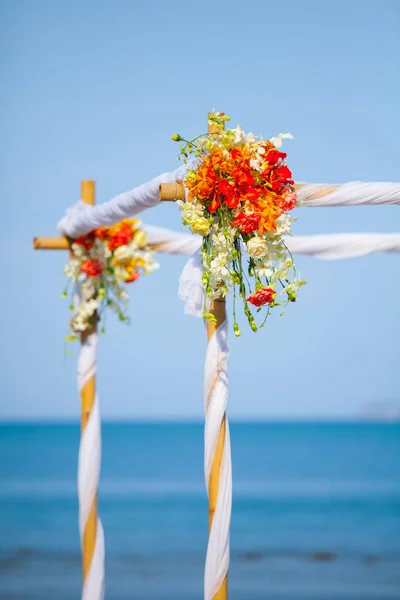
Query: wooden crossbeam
[[51, 243], [170, 192]]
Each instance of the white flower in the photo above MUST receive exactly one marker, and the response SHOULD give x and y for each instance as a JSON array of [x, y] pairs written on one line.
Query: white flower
[[257, 247], [257, 164], [78, 324], [218, 264], [264, 269], [250, 138], [123, 253], [240, 136], [220, 243], [277, 141], [87, 309], [150, 267], [78, 250], [190, 211], [72, 269], [283, 224], [294, 286]]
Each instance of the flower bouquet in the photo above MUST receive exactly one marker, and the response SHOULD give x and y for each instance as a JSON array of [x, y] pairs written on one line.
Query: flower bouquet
[[100, 263], [240, 194]]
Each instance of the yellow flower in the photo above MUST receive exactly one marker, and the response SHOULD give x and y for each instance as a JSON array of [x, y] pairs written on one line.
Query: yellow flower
[[122, 256], [200, 225], [141, 238]]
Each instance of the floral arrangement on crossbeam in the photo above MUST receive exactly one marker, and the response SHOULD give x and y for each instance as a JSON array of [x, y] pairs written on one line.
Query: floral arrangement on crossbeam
[[240, 194], [101, 262]]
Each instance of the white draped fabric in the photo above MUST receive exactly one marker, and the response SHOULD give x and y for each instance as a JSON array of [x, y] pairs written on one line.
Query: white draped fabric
[[89, 473], [82, 218], [328, 246], [332, 246], [343, 245], [355, 193], [215, 401]]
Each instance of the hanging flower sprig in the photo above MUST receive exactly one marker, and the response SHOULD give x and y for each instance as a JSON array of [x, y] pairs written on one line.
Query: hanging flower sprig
[[101, 262], [240, 194]]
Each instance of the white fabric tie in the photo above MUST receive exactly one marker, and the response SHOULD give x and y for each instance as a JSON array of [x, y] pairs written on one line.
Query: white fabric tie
[[215, 401], [355, 193], [89, 472], [82, 218], [325, 247]]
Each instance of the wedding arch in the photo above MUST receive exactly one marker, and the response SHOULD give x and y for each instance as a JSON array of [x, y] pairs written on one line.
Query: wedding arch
[[201, 297]]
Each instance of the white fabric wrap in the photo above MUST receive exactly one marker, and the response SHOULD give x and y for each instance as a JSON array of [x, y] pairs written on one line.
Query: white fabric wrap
[[355, 193], [89, 473], [343, 245], [326, 247], [215, 399], [82, 218], [172, 242]]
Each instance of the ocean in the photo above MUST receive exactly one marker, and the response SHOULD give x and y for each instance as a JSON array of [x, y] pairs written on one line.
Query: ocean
[[316, 511]]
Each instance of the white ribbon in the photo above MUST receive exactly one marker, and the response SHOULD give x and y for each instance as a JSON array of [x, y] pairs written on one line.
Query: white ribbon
[[82, 218], [89, 473], [354, 193], [215, 400], [325, 247]]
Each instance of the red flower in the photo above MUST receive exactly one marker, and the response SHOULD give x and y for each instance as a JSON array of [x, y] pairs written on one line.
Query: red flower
[[225, 188], [133, 276], [252, 194], [86, 241], [280, 176], [92, 267], [243, 178], [288, 201], [263, 296], [247, 223], [274, 156], [236, 153], [213, 206], [232, 201], [101, 233]]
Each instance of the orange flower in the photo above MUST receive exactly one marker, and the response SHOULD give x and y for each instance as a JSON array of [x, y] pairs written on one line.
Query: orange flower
[[268, 206], [120, 234]]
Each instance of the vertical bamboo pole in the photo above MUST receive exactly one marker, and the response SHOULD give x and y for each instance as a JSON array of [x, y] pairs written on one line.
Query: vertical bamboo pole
[[87, 401], [218, 309]]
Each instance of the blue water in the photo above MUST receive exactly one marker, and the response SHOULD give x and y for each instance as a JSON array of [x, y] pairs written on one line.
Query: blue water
[[316, 512]]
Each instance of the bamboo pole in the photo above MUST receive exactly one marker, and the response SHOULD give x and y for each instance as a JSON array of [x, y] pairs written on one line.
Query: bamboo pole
[[218, 309], [87, 401], [50, 243], [176, 191], [62, 243]]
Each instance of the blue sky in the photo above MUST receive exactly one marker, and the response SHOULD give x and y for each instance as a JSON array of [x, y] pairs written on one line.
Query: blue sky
[[93, 90]]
